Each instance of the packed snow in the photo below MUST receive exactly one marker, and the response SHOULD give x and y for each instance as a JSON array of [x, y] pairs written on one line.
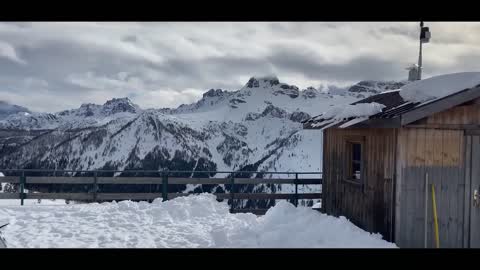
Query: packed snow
[[439, 86], [357, 110], [195, 221], [342, 112]]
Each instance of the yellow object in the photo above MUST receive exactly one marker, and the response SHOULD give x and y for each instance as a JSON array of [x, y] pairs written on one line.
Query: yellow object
[[437, 239]]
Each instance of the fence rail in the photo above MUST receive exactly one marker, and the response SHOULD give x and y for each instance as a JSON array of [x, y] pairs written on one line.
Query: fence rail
[[164, 178]]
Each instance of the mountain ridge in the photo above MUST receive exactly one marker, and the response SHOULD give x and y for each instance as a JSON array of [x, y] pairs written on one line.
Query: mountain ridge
[[254, 128]]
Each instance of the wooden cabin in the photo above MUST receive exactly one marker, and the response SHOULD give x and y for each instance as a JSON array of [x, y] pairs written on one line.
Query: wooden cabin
[[375, 172]]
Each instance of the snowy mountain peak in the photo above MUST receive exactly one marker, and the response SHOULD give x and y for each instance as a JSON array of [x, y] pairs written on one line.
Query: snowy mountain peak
[[87, 105], [7, 109], [262, 82], [272, 83], [214, 93], [117, 105]]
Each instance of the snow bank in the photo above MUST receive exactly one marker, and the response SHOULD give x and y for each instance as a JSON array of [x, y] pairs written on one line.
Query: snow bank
[[193, 221], [439, 86]]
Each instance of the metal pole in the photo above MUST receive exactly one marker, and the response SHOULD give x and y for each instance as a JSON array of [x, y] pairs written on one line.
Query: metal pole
[[22, 187], [296, 189], [95, 186], [165, 186], [232, 192], [420, 54], [426, 211]]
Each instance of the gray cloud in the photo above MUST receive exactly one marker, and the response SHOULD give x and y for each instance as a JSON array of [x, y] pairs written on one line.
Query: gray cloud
[[356, 69], [54, 66]]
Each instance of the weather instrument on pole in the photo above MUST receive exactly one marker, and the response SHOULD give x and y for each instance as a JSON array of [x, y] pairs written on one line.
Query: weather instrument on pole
[[415, 70], [424, 34], [424, 38]]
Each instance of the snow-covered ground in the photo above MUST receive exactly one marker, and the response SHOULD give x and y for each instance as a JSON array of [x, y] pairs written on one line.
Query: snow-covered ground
[[186, 222]]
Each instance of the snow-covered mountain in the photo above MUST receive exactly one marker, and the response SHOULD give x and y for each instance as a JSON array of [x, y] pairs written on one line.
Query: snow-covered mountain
[[255, 128], [7, 109]]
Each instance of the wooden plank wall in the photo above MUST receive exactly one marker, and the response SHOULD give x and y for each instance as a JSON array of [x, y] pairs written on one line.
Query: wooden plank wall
[[467, 114], [440, 153], [437, 148], [368, 206]]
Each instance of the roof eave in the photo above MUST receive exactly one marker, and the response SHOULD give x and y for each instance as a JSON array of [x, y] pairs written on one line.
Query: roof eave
[[440, 105], [379, 123], [369, 123]]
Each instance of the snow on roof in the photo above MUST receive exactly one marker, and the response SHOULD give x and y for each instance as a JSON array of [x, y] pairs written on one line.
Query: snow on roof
[[439, 86], [195, 221], [340, 113]]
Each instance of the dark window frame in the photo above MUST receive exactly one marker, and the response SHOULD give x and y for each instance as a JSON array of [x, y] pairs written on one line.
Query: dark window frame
[[350, 141]]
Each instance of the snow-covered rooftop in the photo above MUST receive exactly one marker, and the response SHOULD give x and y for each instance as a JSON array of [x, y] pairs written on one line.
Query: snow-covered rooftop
[[340, 113], [409, 97], [439, 86]]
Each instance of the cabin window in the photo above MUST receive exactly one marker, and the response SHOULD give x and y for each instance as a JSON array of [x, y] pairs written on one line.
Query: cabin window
[[355, 148]]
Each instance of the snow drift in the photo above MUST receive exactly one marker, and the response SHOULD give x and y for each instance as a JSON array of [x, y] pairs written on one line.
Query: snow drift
[[196, 221]]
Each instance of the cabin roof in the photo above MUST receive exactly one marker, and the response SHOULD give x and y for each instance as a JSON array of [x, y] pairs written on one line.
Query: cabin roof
[[397, 111]]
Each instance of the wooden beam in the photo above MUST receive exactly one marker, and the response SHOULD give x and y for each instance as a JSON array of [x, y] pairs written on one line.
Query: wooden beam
[[258, 212], [472, 132], [301, 181], [156, 180], [9, 196], [10, 179], [379, 123], [129, 180], [128, 196], [197, 181], [58, 180], [445, 126], [440, 105], [65, 196], [151, 196], [268, 196]]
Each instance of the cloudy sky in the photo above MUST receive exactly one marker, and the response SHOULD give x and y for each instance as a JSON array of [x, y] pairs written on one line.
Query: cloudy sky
[[51, 66]]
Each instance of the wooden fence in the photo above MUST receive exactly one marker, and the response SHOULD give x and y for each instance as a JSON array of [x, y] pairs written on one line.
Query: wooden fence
[[23, 178]]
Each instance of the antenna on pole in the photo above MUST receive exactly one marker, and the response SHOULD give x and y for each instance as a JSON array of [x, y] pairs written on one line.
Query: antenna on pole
[[424, 38]]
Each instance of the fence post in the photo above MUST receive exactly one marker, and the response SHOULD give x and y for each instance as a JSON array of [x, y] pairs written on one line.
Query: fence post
[[95, 186], [165, 186], [232, 191], [296, 189], [22, 187]]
